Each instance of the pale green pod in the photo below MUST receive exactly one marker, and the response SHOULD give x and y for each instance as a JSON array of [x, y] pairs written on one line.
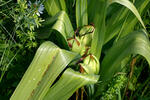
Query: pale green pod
[[84, 51], [86, 35], [86, 40], [86, 29], [91, 65], [76, 45]]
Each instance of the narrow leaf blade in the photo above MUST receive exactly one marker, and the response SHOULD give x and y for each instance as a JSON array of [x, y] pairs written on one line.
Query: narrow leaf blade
[[55, 6], [97, 16], [134, 43], [81, 13], [48, 63], [69, 82], [130, 6], [59, 23]]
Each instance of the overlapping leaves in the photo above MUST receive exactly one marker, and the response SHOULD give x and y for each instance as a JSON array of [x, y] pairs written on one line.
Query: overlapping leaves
[[134, 43]]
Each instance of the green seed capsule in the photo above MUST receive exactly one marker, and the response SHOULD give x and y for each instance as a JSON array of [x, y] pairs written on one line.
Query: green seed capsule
[[76, 45], [86, 35], [91, 65], [86, 30]]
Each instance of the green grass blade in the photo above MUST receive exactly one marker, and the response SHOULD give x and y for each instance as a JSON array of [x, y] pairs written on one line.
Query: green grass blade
[[130, 6], [2, 46], [124, 21], [97, 14], [69, 82], [134, 43], [81, 13], [48, 63], [55, 6], [131, 21]]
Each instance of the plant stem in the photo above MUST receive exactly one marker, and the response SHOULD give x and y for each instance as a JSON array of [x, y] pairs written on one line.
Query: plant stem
[[77, 94], [130, 75], [82, 92]]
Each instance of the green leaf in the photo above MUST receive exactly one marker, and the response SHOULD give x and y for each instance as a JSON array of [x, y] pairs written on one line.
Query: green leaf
[[130, 6], [55, 6], [61, 24], [97, 14], [134, 43], [81, 13], [2, 46], [69, 82], [48, 63], [123, 21]]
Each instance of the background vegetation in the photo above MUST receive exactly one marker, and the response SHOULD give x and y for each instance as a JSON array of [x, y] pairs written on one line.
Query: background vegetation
[[19, 40]]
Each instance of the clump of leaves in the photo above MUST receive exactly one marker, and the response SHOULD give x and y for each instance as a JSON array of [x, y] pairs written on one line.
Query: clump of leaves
[[17, 23], [41, 83], [18, 19], [115, 87], [26, 19], [138, 83]]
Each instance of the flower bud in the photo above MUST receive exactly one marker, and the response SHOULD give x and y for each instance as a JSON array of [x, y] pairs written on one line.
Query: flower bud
[[76, 45], [86, 35], [91, 65]]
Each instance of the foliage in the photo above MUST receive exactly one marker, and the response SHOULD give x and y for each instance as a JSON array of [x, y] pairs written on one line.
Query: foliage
[[115, 87], [26, 19], [16, 40], [88, 40]]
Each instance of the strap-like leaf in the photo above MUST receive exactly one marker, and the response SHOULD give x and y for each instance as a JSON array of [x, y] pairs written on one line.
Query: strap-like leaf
[[123, 22], [97, 14], [55, 6], [81, 13], [61, 24], [130, 6], [134, 43], [69, 82], [48, 63]]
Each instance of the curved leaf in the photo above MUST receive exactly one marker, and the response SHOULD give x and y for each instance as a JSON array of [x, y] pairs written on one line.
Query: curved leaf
[[61, 24], [81, 13], [69, 82], [55, 6], [123, 22], [48, 63], [130, 6], [134, 43]]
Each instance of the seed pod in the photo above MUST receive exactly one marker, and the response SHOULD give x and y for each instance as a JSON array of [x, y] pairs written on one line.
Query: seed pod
[[76, 45], [91, 65], [85, 51], [86, 35]]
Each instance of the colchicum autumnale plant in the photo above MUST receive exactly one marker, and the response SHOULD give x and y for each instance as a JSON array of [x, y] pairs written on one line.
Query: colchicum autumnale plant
[[80, 62]]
